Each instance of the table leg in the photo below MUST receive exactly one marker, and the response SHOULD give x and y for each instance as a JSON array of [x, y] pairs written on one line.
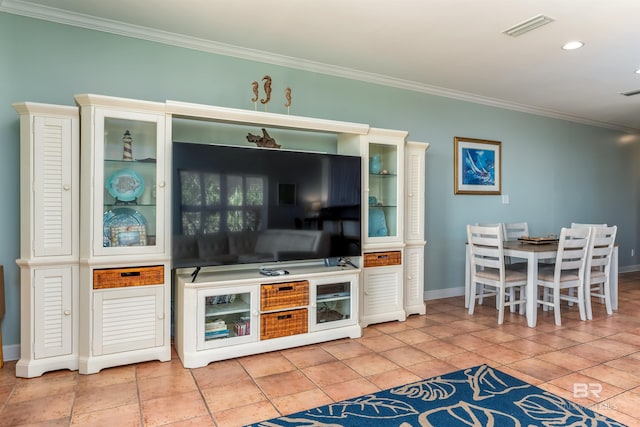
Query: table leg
[[613, 279], [467, 277], [532, 295]]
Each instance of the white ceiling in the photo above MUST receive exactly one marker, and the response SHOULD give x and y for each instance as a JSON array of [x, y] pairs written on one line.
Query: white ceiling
[[454, 48]]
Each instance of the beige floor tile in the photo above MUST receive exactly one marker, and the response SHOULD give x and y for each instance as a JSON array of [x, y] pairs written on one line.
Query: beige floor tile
[[439, 349], [166, 385], [301, 401], [308, 356], [244, 415], [413, 336], [35, 388], [610, 375], [405, 356], [381, 342], [111, 396], [394, 378], [37, 410], [278, 385], [346, 349], [350, 389], [261, 365], [370, 364], [501, 354], [242, 393], [165, 410], [468, 341], [106, 377], [540, 369], [330, 373], [220, 373], [468, 359], [567, 360], [121, 416]]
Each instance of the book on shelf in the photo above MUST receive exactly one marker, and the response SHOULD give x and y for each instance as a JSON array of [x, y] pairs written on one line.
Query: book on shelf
[[222, 333], [220, 299], [215, 325]]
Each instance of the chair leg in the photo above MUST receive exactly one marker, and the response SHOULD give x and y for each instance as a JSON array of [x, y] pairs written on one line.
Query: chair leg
[[556, 306], [581, 303], [502, 296], [587, 301], [523, 305], [607, 298], [472, 297]]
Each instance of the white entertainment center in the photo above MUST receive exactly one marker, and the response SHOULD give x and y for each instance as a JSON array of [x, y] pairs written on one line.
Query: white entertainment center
[[96, 241]]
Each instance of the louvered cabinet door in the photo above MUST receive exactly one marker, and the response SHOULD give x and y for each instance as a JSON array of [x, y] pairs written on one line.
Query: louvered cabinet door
[[53, 220], [53, 311], [382, 299], [128, 319], [414, 190]]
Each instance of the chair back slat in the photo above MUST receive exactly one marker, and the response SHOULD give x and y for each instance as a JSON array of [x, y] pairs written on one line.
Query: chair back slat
[[601, 248], [572, 249], [485, 245]]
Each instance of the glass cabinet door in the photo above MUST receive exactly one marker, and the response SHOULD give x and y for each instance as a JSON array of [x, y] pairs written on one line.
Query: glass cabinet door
[[130, 199], [383, 191], [333, 305], [225, 318]]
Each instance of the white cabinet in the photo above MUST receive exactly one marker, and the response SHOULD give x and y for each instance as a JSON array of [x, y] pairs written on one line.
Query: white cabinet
[[49, 149], [124, 250], [414, 280], [333, 302], [128, 319], [382, 289], [226, 316], [414, 227], [235, 312]]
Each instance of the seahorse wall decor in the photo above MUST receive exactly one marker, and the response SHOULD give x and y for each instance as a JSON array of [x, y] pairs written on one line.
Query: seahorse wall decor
[[267, 89], [287, 96], [255, 89]]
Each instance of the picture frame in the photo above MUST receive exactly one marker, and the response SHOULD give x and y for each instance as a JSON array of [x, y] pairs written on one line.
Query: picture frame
[[129, 235], [477, 166]]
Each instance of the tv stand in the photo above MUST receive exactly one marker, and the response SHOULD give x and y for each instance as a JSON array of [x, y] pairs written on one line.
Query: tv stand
[[231, 312]]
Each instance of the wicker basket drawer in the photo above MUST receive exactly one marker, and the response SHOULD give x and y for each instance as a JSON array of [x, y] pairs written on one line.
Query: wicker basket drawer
[[283, 324], [379, 259], [284, 295], [125, 277]]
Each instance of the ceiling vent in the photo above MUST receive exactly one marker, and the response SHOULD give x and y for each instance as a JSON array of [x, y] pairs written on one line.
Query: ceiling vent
[[528, 25], [632, 93]]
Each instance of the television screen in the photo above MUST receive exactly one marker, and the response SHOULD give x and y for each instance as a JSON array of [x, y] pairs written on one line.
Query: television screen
[[239, 205]]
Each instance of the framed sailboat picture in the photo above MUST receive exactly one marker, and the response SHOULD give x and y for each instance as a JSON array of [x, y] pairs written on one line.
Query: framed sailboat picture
[[477, 165]]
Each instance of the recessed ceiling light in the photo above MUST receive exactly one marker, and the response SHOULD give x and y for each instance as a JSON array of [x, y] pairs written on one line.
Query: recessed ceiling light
[[572, 45], [638, 71]]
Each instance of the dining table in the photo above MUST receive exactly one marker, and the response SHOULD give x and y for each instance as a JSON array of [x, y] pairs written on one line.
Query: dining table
[[533, 254]]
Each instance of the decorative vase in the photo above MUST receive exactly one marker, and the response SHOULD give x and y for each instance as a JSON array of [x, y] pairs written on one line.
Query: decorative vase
[[375, 164]]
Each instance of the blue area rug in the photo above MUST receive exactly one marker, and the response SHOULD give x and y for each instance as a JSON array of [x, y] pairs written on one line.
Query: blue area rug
[[479, 396]]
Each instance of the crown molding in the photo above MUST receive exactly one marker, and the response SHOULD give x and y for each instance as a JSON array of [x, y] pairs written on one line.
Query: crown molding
[[60, 16]]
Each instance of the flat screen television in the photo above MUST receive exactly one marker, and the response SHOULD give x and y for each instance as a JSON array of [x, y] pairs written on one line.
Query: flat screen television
[[245, 205]]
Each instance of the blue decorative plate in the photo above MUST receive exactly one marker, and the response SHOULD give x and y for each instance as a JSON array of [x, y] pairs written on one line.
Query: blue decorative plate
[[125, 185], [120, 217]]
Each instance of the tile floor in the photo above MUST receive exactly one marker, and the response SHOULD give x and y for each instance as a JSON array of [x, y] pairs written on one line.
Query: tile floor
[[603, 354]]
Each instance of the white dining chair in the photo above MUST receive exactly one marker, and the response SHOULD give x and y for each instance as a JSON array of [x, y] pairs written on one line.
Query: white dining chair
[[567, 273], [514, 230], [597, 270], [579, 224], [488, 270]]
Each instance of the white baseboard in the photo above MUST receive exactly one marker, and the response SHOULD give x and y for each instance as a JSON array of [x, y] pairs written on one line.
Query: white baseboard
[[444, 293], [11, 352], [629, 268]]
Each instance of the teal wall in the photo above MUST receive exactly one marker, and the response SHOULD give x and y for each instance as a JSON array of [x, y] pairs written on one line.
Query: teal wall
[[554, 171]]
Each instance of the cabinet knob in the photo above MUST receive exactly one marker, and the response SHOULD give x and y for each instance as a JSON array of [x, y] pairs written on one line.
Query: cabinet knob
[[161, 184], [66, 187], [160, 316], [67, 312], [409, 278], [410, 194]]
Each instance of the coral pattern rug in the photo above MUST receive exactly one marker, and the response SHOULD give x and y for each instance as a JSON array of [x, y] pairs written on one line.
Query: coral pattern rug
[[478, 396]]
